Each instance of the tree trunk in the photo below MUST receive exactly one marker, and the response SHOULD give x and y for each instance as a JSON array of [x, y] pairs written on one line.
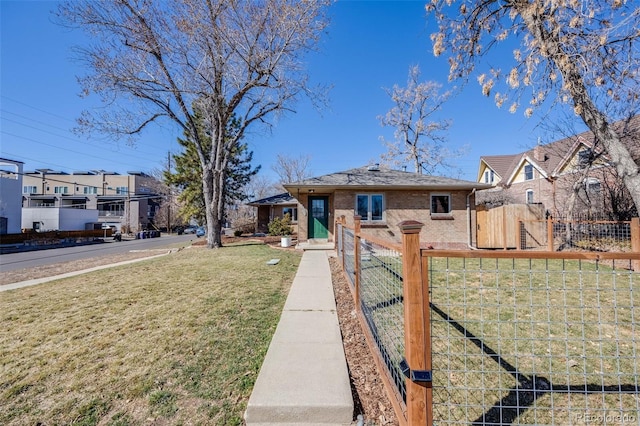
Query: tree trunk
[[595, 120], [210, 192]]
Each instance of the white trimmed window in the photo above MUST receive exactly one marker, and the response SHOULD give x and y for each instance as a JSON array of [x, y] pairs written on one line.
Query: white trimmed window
[[61, 189], [592, 185], [90, 189], [292, 212], [529, 196], [370, 207], [489, 176], [122, 190], [528, 172], [29, 189]]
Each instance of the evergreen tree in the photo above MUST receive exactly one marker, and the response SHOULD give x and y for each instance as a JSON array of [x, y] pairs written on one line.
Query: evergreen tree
[[188, 173]]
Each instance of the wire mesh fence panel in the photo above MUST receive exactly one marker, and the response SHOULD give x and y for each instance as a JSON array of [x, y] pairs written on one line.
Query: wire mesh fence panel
[[348, 247], [593, 236], [339, 237], [534, 341], [576, 235], [381, 302]]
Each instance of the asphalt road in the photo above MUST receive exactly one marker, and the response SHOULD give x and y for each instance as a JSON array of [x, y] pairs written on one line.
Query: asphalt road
[[30, 259]]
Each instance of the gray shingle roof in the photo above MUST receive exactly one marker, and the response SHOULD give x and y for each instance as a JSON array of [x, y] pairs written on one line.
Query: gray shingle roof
[[363, 178], [283, 198]]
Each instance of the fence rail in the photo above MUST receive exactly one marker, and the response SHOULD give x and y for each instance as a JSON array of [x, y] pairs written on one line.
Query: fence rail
[[499, 337]]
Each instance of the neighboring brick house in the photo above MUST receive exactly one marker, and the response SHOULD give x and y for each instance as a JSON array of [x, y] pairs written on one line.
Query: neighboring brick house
[[548, 174], [383, 199], [275, 206]]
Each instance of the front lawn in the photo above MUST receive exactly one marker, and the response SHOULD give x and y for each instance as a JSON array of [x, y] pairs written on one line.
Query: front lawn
[[173, 340]]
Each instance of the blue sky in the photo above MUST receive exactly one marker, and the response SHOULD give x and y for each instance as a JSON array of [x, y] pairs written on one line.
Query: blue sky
[[370, 46]]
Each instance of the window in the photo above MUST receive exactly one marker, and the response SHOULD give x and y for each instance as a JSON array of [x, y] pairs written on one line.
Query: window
[[122, 190], [529, 196], [528, 172], [440, 204], [585, 157], [61, 189], [90, 189], [29, 190], [489, 176], [369, 206], [292, 212], [592, 185]]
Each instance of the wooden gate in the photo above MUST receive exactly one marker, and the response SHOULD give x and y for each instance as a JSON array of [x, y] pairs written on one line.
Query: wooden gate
[[497, 227]]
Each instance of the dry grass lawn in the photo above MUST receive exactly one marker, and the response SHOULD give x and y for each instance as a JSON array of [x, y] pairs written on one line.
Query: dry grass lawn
[[173, 340]]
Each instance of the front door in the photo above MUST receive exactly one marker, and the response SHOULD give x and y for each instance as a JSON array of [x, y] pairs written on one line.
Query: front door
[[318, 217]]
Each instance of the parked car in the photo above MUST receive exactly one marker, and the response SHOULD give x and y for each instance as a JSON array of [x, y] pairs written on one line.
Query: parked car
[[201, 231], [190, 229]]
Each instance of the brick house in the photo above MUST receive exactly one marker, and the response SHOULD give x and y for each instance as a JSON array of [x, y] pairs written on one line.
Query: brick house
[[275, 206], [548, 175], [383, 199]]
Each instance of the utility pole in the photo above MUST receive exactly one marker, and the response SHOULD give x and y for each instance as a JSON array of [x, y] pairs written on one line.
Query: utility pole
[[169, 197]]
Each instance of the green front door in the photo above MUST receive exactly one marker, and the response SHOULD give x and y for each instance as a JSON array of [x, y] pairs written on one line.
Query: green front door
[[318, 217]]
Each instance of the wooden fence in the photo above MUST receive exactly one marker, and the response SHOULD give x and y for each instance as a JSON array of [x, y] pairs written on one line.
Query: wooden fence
[[497, 337]]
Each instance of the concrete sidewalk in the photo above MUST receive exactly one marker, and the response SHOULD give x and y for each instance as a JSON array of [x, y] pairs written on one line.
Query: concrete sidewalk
[[304, 378]]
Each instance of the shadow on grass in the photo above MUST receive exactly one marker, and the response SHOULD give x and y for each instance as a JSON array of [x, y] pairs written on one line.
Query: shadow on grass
[[530, 388]]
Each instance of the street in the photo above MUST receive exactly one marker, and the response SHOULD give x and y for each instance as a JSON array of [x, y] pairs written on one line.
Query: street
[[30, 259]]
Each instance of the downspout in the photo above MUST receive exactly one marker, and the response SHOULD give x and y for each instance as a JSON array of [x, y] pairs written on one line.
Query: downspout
[[469, 236]]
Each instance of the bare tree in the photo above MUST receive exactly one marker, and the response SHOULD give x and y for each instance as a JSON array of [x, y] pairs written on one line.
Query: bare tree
[[231, 59], [419, 137], [582, 53], [291, 169]]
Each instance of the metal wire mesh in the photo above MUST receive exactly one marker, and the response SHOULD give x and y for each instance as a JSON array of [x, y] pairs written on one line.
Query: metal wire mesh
[[348, 253], [577, 235], [381, 302], [534, 341], [339, 246]]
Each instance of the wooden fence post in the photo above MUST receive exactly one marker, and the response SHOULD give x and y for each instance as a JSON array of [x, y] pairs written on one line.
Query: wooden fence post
[[635, 241], [356, 260], [519, 235], [416, 317]]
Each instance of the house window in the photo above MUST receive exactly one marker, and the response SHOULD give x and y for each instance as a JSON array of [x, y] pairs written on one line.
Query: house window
[[528, 172], [61, 189], [122, 190], [585, 157], [440, 204], [529, 196], [29, 190], [489, 176], [292, 212], [592, 186], [369, 206], [90, 189]]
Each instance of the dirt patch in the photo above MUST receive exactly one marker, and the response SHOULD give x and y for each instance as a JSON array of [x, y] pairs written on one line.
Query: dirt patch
[[369, 395]]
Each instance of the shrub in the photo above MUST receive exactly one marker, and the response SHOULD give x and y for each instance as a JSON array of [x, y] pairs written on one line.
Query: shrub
[[280, 226], [237, 232]]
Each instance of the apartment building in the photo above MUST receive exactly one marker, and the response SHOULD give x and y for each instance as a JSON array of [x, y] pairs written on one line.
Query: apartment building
[[127, 202], [10, 186]]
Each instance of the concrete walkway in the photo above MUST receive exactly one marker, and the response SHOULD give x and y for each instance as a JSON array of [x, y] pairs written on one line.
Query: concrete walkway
[[304, 378]]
